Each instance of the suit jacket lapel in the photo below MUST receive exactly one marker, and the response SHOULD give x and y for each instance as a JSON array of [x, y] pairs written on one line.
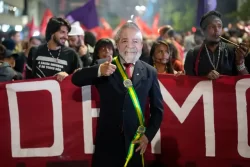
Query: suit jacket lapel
[[138, 74]]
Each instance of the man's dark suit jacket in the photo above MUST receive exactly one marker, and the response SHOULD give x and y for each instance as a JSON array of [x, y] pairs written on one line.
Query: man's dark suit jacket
[[118, 121]]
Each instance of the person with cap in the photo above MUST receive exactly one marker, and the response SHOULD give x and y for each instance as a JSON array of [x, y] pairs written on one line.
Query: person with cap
[[76, 42], [7, 63], [125, 84], [53, 58], [214, 57]]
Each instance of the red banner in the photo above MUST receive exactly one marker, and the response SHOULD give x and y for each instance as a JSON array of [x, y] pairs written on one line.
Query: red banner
[[46, 123]]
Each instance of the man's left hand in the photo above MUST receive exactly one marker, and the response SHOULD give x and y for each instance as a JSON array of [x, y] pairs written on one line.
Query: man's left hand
[[143, 141], [61, 76], [241, 52]]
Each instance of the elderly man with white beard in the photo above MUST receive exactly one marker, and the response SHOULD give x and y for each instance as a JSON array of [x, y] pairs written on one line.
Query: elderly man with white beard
[[125, 84]]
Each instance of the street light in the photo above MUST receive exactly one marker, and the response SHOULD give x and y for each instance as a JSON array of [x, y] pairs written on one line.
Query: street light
[[5, 27], [141, 8], [36, 33], [18, 28]]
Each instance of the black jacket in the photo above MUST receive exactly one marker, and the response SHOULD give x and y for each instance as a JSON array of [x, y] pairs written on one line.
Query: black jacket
[[86, 59], [20, 62], [117, 112], [7, 73], [202, 65]]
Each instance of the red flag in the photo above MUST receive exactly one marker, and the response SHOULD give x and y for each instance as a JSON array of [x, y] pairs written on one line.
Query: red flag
[[32, 27], [107, 30], [96, 31], [143, 26], [105, 24], [46, 16], [105, 34], [155, 24]]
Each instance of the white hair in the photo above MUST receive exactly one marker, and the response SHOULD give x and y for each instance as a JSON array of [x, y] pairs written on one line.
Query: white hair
[[125, 26]]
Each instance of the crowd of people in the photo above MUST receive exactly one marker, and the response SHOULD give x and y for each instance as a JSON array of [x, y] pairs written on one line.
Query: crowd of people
[[124, 70], [68, 47]]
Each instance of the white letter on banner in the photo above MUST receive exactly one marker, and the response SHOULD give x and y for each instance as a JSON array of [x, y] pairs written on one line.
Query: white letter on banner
[[202, 89], [241, 102], [156, 143], [54, 88], [88, 113]]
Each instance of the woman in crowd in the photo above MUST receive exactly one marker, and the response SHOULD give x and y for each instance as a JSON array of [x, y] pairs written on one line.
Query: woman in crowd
[[161, 58], [175, 57], [103, 49]]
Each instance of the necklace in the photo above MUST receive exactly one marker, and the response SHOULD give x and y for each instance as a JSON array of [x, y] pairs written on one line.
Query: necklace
[[209, 57], [52, 55]]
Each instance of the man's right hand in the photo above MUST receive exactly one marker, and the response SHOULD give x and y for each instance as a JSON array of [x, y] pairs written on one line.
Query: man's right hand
[[213, 75], [107, 68]]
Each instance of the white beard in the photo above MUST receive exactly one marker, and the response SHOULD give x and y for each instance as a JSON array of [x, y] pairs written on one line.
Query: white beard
[[130, 58]]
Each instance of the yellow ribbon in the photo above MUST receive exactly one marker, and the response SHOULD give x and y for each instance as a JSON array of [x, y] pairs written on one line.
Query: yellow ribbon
[[136, 103]]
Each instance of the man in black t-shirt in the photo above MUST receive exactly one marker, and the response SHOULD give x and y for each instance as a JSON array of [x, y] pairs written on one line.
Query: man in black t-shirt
[[53, 58], [214, 57]]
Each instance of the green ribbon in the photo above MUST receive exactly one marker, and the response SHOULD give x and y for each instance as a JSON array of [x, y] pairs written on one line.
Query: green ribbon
[[141, 129]]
